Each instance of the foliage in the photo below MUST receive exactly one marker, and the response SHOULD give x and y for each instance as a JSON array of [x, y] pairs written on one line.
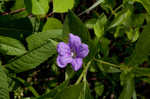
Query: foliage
[[116, 31]]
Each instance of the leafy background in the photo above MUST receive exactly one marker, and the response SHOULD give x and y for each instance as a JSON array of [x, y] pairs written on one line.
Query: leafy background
[[116, 31]]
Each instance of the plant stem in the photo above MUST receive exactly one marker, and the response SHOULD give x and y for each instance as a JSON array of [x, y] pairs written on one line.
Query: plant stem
[[30, 87], [84, 71], [104, 62]]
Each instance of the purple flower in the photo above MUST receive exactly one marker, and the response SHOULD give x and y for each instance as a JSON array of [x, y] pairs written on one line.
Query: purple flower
[[73, 52]]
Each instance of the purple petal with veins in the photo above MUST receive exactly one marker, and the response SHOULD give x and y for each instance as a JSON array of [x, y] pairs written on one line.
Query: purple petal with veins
[[63, 49], [76, 64], [74, 42], [83, 51], [62, 61]]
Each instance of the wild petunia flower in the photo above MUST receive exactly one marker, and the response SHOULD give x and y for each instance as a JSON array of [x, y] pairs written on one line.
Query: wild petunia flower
[[73, 52]]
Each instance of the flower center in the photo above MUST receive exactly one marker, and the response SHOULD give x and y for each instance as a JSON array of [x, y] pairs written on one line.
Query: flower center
[[73, 54]]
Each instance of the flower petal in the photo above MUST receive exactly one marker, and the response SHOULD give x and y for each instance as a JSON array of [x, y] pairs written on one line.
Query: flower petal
[[74, 42], [63, 49], [62, 61], [76, 64], [83, 51]]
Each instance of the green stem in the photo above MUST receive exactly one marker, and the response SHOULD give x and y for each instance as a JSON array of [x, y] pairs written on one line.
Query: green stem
[[114, 11], [35, 93], [118, 8], [83, 73], [107, 63]]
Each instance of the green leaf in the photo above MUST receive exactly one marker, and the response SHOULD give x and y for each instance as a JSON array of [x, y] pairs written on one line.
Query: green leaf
[[119, 31], [37, 7], [53, 92], [32, 58], [74, 25], [52, 23], [147, 17], [142, 45], [10, 46], [90, 23], [99, 88], [104, 46], [93, 48], [137, 20], [37, 39], [141, 71], [108, 5], [121, 18], [99, 26], [4, 91], [18, 5], [133, 34], [16, 28], [72, 92], [145, 3], [62, 6], [92, 7], [128, 88]]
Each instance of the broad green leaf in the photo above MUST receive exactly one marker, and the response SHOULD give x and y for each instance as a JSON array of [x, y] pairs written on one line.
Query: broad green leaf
[[52, 23], [74, 25], [90, 23], [18, 5], [72, 92], [142, 48], [99, 88], [37, 7], [44, 4], [36, 24], [125, 1], [53, 92], [99, 26], [137, 20], [146, 4], [128, 88], [133, 34], [16, 28], [120, 31], [141, 71], [104, 46], [37, 39], [121, 18], [4, 91], [62, 6], [10, 46], [32, 58], [94, 49], [147, 18]]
